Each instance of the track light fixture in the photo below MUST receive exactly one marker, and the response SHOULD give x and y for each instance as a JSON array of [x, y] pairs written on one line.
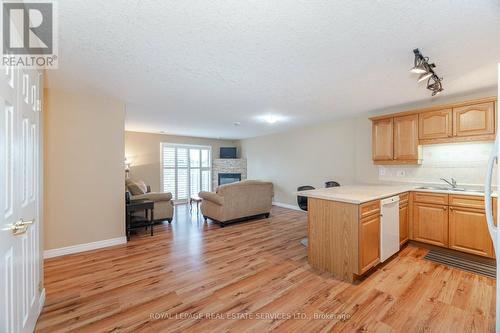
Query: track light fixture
[[421, 66]]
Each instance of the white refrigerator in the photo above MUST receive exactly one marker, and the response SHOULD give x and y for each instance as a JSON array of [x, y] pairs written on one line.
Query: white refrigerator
[[494, 233]]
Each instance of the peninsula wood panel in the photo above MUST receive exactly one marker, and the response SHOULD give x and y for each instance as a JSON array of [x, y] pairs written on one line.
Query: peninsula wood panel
[[430, 223], [369, 243], [478, 119], [468, 231], [435, 124], [333, 237], [406, 138], [382, 140]]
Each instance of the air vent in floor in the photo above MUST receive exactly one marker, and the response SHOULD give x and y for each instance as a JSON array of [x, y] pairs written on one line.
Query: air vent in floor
[[465, 264]]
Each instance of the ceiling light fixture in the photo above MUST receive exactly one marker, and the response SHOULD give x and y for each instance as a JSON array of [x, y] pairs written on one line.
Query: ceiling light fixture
[[270, 119], [436, 87], [421, 66]]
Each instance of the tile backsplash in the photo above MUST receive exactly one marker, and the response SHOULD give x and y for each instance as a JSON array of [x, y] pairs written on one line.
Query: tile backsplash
[[466, 162]]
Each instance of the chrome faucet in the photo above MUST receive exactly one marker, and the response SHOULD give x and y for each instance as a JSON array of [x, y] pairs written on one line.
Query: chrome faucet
[[452, 183]]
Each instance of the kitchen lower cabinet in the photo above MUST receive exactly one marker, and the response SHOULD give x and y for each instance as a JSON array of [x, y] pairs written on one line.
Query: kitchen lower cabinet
[[430, 223], [403, 223], [469, 231], [369, 242]]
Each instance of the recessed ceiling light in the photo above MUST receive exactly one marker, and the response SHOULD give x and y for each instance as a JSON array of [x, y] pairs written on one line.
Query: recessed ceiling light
[[270, 118]]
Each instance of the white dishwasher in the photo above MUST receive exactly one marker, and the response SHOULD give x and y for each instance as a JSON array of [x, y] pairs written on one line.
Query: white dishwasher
[[389, 227]]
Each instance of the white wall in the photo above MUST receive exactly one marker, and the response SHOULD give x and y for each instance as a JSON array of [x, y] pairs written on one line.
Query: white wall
[[83, 172], [305, 156]]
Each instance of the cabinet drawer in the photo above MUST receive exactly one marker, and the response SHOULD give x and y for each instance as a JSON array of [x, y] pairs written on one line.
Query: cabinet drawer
[[369, 208], [469, 201], [403, 198], [433, 198]]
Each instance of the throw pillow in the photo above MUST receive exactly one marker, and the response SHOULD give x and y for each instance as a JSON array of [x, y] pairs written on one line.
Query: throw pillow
[[136, 187]]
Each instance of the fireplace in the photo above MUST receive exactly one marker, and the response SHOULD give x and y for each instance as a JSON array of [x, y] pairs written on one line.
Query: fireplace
[[226, 178]]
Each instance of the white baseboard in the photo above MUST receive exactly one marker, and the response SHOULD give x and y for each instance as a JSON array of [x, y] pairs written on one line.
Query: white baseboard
[[84, 247], [284, 205], [41, 302]]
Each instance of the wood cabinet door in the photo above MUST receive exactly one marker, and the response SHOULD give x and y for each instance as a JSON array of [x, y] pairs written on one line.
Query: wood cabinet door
[[469, 232], [435, 124], [406, 137], [403, 223], [430, 223], [382, 144], [369, 242], [478, 119]]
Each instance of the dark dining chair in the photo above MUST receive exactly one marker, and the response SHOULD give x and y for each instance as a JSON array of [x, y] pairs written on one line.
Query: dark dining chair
[[331, 183], [302, 201]]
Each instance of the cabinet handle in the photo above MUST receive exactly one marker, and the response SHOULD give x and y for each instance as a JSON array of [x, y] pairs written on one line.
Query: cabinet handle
[[451, 208]]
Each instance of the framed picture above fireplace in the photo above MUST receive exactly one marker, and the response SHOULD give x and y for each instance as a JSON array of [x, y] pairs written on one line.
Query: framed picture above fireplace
[[227, 178]]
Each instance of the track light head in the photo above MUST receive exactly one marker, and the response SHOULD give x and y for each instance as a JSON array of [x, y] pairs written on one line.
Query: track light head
[[421, 66], [424, 76], [436, 87]]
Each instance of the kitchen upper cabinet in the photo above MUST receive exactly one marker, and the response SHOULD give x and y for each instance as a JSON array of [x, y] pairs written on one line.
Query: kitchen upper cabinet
[[397, 138], [430, 223], [369, 242], [406, 138], [382, 140], [472, 120], [403, 223], [435, 124], [468, 231]]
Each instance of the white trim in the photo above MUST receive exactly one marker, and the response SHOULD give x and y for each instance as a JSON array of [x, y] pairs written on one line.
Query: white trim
[[284, 205], [83, 247], [41, 302]]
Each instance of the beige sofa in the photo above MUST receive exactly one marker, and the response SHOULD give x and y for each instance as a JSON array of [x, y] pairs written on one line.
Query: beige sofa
[[163, 206], [236, 201]]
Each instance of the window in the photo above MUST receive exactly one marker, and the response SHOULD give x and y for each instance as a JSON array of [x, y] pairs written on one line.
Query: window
[[186, 170]]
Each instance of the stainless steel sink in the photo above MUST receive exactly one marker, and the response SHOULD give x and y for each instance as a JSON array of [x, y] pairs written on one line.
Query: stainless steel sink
[[436, 188], [440, 188]]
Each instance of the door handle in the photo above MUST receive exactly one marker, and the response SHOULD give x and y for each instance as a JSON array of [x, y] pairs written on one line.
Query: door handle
[[26, 222], [18, 228]]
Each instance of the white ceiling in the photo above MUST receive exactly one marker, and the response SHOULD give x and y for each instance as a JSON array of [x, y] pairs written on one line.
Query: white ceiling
[[195, 67]]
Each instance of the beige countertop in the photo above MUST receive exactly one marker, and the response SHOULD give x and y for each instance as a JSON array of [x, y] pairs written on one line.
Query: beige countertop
[[358, 194]]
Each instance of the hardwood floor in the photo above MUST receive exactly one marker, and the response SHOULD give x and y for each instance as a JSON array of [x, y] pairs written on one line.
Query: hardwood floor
[[252, 277]]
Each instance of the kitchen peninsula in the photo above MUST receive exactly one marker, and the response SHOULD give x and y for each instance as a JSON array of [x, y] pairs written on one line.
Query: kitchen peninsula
[[344, 224]]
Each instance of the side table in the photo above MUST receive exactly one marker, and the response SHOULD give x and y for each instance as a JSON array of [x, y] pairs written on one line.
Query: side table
[[133, 222]]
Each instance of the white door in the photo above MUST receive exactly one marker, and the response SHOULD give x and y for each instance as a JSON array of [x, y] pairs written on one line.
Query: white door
[[19, 199]]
